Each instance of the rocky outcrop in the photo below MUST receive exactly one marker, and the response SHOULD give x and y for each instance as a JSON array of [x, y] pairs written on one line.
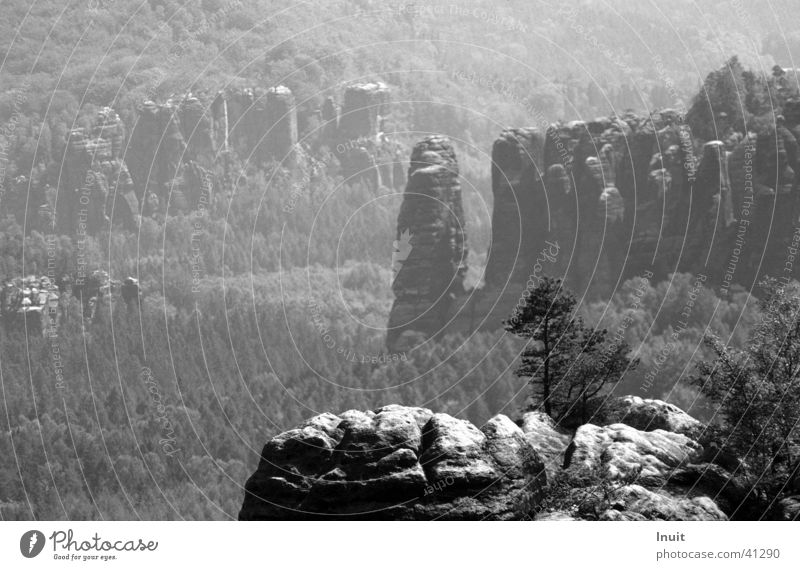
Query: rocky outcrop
[[179, 151], [519, 215], [165, 167], [549, 440], [620, 451], [261, 124], [196, 123], [30, 304], [281, 137], [637, 503], [396, 463], [648, 415], [408, 463], [619, 472], [365, 151], [431, 221], [95, 190], [364, 106], [156, 151], [598, 202], [727, 488]]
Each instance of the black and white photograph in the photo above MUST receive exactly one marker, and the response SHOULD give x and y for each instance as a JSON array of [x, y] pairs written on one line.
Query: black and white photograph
[[281, 278]]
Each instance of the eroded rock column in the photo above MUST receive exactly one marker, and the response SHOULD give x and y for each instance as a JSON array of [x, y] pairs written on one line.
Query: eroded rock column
[[362, 147], [430, 229], [281, 137]]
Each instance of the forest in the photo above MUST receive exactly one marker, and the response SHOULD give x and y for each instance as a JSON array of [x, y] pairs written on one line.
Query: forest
[[158, 409]]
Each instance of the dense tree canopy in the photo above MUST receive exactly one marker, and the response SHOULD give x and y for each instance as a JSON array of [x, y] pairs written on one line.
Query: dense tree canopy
[[159, 410]]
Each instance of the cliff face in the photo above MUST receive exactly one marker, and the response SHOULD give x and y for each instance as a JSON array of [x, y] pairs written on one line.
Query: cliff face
[[599, 202], [519, 217], [641, 460]]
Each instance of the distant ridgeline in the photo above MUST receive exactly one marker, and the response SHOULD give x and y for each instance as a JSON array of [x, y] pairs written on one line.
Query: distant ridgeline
[[602, 201], [170, 159]]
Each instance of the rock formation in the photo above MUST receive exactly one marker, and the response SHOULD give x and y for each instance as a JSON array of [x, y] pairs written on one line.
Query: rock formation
[[599, 202], [180, 150], [395, 463], [363, 108], [196, 125], [412, 464], [95, 189], [282, 135], [175, 145], [30, 304], [648, 472], [431, 220], [169, 143], [156, 151], [649, 415], [260, 123], [519, 217], [367, 154]]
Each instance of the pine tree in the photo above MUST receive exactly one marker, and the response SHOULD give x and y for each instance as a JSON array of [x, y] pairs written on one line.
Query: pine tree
[[566, 362]]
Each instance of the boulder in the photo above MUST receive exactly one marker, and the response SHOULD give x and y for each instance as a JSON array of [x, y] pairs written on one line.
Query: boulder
[[634, 502], [396, 463], [617, 472], [549, 441], [555, 516], [620, 452], [729, 491], [649, 415], [405, 463]]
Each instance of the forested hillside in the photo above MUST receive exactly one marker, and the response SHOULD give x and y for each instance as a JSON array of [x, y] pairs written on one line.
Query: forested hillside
[[255, 315]]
